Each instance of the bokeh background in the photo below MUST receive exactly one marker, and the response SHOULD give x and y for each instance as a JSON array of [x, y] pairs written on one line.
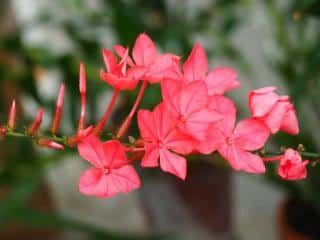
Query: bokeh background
[[42, 42]]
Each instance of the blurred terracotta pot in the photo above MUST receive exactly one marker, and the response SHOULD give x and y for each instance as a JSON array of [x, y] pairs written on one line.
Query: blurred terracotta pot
[[198, 208], [295, 221]]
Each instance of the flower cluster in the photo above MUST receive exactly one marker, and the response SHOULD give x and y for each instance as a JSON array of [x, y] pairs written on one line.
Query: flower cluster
[[193, 117]]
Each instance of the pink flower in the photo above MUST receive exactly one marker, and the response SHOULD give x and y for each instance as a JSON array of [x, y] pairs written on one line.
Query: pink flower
[[162, 138], [226, 108], [189, 104], [291, 166], [218, 81], [147, 64], [277, 112], [235, 143], [111, 173], [117, 75]]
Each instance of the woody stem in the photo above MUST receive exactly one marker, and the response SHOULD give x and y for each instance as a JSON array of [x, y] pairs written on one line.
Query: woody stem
[[100, 125], [125, 125]]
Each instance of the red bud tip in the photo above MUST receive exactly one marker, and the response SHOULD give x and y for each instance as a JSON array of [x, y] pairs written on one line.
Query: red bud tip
[[44, 142], [82, 89], [3, 131], [34, 126], [12, 115], [60, 100], [57, 115], [82, 79]]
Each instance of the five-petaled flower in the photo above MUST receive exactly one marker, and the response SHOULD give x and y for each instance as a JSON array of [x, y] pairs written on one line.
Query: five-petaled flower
[[111, 174], [162, 138]]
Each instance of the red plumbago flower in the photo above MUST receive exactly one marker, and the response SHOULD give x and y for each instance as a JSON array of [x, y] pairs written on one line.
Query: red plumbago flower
[[226, 108], [117, 75], [111, 173], [291, 166], [277, 112], [161, 137], [234, 144], [147, 65], [218, 80], [189, 104]]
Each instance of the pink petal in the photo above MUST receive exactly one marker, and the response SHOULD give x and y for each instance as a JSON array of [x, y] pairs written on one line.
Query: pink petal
[[170, 90], [151, 156], [121, 83], [242, 160], [196, 66], [144, 51], [173, 164], [197, 123], [93, 182], [215, 138], [180, 142], [221, 80], [291, 166], [115, 155], [124, 179], [251, 134], [164, 121], [146, 125], [193, 97], [136, 72], [122, 53], [226, 108], [290, 122], [262, 100], [109, 60], [91, 149], [275, 117], [164, 66]]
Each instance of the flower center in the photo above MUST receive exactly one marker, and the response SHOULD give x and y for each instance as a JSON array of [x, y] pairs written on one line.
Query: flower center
[[106, 171]]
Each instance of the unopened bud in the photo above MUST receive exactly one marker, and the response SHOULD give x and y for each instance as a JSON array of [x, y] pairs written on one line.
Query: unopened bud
[[57, 115], [34, 126], [12, 116], [44, 142], [82, 89]]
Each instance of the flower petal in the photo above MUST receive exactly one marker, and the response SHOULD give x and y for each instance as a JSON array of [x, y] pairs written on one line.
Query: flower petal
[[262, 100], [114, 154], [173, 163], [226, 108], [93, 182], [144, 51], [146, 125], [151, 156], [221, 80], [124, 179], [290, 122], [196, 66], [250, 134], [109, 60], [164, 66], [193, 97], [91, 149], [242, 160]]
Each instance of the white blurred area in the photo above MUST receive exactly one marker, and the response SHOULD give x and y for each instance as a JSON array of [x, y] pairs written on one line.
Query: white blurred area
[[255, 201]]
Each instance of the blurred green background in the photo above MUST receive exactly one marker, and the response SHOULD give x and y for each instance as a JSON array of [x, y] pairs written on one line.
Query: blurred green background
[[43, 42]]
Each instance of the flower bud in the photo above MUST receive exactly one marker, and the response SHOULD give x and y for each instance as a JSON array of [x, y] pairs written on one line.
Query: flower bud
[[12, 116], [45, 142]]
